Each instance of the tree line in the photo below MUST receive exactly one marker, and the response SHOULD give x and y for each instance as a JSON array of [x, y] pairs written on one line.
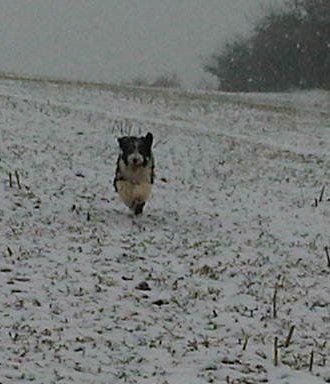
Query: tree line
[[289, 48]]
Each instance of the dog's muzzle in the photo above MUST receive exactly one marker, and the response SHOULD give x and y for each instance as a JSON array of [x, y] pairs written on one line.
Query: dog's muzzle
[[135, 160]]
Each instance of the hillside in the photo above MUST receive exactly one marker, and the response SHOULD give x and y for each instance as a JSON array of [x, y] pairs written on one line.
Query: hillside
[[229, 255]]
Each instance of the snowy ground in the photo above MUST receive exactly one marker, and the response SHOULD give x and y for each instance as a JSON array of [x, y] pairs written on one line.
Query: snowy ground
[[185, 294]]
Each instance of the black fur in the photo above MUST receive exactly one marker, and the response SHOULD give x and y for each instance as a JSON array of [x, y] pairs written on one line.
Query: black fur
[[128, 144], [117, 175], [138, 209]]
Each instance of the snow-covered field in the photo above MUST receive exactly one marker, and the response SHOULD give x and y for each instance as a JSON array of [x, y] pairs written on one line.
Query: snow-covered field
[[229, 255]]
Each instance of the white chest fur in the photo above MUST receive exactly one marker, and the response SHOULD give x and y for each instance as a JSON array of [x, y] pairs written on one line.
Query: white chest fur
[[132, 194], [135, 175], [135, 183]]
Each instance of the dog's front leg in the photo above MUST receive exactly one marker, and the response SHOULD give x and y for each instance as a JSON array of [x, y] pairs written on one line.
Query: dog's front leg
[[138, 206]]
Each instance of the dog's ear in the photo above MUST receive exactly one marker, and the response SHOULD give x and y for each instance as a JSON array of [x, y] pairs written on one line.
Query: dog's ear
[[149, 139], [122, 141]]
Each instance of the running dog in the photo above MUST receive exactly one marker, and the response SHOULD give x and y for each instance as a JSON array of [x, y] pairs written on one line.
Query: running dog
[[135, 171]]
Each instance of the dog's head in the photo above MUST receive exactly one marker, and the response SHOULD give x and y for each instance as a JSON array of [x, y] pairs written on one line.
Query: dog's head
[[136, 151]]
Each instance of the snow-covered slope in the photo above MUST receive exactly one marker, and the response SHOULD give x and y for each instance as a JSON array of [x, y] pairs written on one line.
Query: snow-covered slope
[[229, 255]]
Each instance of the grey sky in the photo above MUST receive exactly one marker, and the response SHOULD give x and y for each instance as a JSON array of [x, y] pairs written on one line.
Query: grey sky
[[114, 40]]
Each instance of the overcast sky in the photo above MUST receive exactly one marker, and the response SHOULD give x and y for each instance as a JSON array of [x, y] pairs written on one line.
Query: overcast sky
[[115, 40]]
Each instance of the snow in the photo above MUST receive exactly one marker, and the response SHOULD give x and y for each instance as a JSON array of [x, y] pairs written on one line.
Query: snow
[[183, 294]]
